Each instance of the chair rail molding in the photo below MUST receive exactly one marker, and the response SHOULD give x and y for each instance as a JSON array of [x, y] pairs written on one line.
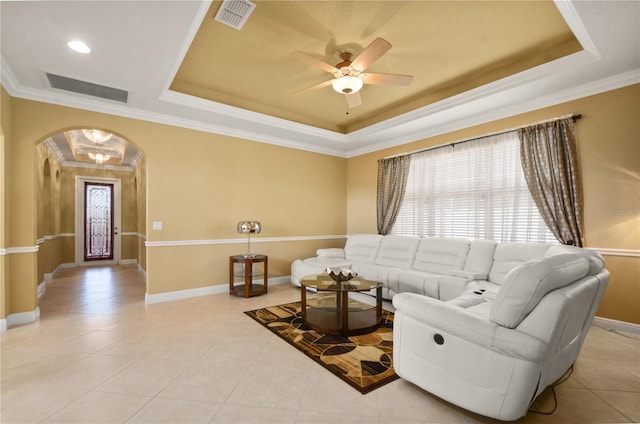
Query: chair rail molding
[[16, 250], [239, 240]]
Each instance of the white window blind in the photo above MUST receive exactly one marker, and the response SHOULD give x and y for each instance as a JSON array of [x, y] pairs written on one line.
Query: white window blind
[[475, 190]]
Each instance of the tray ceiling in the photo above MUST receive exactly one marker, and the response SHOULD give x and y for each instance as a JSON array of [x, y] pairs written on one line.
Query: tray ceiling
[[472, 62], [449, 47]]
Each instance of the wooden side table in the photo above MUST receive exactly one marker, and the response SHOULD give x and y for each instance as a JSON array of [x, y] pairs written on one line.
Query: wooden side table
[[243, 271]]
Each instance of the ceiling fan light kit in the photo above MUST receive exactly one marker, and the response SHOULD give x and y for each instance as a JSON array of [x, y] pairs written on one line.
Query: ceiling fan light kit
[[348, 75], [347, 84]]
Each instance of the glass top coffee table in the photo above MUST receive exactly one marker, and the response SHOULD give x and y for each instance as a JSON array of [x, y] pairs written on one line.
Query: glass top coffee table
[[333, 310]]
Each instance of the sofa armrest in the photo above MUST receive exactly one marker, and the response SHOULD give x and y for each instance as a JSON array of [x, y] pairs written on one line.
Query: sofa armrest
[[332, 252], [450, 287], [456, 322]]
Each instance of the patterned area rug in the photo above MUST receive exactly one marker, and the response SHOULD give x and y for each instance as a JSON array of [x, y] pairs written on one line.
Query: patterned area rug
[[365, 362]]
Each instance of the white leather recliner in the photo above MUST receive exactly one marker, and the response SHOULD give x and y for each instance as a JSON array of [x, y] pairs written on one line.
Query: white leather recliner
[[494, 351]]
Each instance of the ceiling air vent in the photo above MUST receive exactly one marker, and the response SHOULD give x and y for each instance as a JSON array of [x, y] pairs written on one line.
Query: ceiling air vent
[[235, 12], [90, 89]]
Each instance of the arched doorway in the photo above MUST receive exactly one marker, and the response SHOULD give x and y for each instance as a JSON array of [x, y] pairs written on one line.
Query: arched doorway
[[90, 208]]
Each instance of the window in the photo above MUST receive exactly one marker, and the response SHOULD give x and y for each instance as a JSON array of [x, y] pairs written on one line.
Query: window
[[474, 189]]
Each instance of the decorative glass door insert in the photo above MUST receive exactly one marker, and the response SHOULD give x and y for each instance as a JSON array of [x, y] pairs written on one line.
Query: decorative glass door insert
[[98, 221]]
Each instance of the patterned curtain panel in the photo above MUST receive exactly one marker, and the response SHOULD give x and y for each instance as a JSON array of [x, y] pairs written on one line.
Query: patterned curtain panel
[[550, 164], [392, 181]]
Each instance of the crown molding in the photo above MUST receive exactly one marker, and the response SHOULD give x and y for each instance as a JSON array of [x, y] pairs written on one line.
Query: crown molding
[[507, 97], [249, 115], [487, 110], [55, 151], [475, 107], [286, 135], [571, 17]]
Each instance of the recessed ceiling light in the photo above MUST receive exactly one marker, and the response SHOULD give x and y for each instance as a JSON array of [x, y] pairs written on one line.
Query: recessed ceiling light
[[79, 46]]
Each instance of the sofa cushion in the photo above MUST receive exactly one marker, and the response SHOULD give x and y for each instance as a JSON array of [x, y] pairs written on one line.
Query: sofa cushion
[[441, 255], [362, 247], [507, 256], [480, 258], [397, 251], [330, 252], [526, 284], [416, 282]]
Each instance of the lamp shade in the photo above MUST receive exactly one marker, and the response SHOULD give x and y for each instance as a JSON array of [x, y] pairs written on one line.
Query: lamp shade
[[347, 84], [249, 227]]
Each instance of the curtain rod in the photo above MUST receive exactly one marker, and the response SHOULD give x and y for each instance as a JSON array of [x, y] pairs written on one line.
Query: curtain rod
[[574, 116]]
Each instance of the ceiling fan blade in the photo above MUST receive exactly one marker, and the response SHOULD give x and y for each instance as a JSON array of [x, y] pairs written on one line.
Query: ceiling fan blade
[[314, 87], [315, 62], [371, 54], [353, 99], [387, 79]]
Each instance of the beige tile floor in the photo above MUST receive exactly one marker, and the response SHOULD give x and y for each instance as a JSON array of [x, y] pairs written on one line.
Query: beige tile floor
[[98, 354]]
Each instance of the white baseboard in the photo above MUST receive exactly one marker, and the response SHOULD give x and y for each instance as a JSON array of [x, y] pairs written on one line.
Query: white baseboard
[[619, 326], [20, 318], [51, 276], [42, 287], [201, 291], [143, 271]]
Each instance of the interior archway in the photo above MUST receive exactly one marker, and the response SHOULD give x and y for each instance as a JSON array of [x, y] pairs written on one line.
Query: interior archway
[[63, 160]]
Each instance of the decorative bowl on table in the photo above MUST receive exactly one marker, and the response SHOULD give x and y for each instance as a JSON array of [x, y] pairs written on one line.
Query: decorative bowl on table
[[340, 274]]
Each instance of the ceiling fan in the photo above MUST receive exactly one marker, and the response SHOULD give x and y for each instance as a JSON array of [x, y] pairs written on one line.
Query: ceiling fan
[[349, 75]]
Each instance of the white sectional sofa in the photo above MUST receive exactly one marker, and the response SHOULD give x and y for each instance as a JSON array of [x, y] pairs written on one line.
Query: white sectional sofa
[[484, 325], [441, 268]]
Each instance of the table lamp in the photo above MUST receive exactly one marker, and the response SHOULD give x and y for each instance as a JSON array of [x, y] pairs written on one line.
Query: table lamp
[[249, 227]]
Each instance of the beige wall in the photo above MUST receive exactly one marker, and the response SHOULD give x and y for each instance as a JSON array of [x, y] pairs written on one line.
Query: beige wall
[[5, 131], [19, 224], [141, 214], [199, 185], [48, 173], [609, 148]]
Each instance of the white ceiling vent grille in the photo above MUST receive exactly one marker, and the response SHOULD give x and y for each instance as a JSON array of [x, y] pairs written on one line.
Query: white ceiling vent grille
[[88, 88], [235, 12]]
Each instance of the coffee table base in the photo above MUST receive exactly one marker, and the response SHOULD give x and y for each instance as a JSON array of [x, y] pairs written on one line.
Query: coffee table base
[[328, 322], [339, 318]]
